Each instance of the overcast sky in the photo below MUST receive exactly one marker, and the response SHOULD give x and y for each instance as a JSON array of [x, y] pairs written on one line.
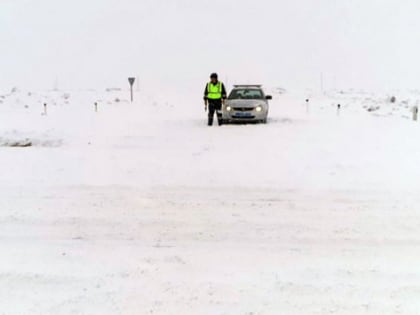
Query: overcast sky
[[98, 43]]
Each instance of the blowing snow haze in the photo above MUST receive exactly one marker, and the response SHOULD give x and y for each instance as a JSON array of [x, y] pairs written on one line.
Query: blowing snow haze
[[172, 200], [97, 43]]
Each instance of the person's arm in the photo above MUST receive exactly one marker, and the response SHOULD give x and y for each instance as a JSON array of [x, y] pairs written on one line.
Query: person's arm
[[206, 93], [224, 92]]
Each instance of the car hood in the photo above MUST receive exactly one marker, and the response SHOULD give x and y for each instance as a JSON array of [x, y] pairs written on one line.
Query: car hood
[[245, 103]]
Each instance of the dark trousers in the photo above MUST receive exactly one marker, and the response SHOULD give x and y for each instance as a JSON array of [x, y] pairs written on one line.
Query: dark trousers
[[215, 106]]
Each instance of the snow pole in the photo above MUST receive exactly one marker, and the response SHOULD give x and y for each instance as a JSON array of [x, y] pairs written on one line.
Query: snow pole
[[307, 105], [338, 109], [415, 113], [45, 109], [96, 107], [131, 80]]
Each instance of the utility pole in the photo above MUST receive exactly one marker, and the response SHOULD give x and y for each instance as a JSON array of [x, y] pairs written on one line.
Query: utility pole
[[55, 87]]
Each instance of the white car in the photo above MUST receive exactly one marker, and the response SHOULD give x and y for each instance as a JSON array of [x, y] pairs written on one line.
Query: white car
[[246, 103]]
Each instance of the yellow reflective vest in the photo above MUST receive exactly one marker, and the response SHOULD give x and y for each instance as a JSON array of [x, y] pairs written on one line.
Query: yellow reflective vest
[[214, 91]]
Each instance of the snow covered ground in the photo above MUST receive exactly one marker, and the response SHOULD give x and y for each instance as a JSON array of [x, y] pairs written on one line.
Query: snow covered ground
[[142, 209]]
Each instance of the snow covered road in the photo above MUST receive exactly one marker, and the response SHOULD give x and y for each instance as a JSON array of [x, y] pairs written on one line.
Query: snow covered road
[[142, 209]]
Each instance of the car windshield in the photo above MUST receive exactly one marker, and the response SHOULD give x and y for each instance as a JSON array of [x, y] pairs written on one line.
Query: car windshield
[[246, 94]]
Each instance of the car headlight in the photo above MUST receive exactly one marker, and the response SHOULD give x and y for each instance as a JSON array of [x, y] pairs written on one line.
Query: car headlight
[[228, 108], [259, 108]]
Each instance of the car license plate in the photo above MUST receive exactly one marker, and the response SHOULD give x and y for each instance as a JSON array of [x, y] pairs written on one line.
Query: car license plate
[[239, 114]]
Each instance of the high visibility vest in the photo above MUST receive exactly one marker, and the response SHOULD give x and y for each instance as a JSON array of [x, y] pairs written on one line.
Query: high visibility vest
[[214, 91]]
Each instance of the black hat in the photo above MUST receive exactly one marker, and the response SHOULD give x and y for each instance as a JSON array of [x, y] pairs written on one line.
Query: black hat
[[213, 76]]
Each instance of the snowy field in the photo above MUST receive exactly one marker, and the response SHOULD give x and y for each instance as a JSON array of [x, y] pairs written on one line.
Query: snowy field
[[143, 209]]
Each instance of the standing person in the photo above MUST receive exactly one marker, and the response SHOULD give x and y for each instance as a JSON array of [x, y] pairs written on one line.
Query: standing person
[[214, 97]]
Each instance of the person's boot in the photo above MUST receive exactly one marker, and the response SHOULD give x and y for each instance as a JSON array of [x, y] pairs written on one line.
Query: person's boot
[[219, 118], [210, 122]]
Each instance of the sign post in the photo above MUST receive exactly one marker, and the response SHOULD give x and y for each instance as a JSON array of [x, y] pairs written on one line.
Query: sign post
[[131, 81]]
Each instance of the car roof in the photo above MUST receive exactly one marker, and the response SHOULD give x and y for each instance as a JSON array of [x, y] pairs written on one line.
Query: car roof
[[258, 86]]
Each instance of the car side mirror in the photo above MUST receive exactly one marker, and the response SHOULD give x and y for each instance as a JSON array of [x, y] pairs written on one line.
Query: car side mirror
[[268, 97]]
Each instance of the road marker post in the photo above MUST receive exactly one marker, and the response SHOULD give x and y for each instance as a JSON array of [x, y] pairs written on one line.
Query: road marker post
[[131, 80]]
